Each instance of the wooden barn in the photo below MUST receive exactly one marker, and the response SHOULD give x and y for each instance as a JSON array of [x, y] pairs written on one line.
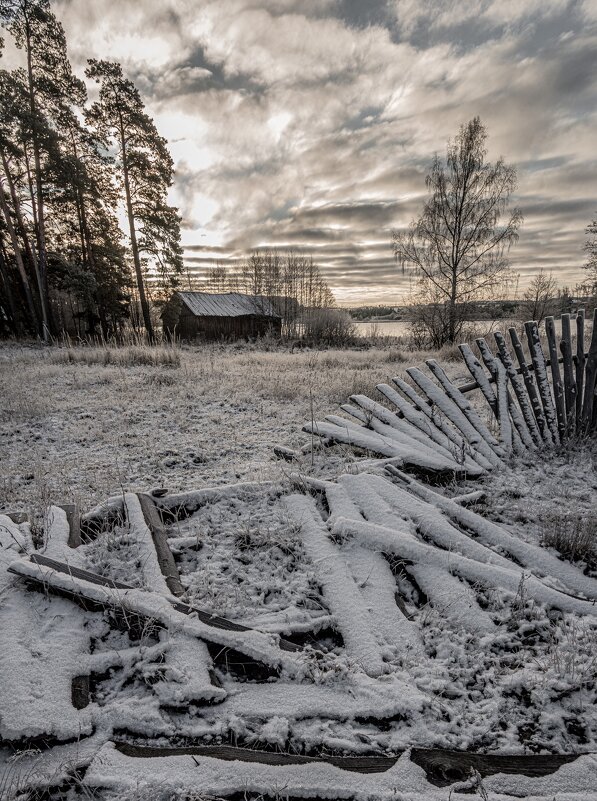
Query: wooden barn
[[202, 315]]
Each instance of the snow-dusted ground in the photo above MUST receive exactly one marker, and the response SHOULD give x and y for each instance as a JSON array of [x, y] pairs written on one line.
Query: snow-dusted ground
[[524, 681], [79, 432]]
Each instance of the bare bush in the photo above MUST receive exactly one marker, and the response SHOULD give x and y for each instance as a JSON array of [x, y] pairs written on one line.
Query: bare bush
[[329, 327]]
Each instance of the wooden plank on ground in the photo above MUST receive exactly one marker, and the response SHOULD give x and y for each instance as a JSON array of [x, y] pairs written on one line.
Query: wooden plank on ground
[[211, 621], [160, 542], [74, 524], [442, 766]]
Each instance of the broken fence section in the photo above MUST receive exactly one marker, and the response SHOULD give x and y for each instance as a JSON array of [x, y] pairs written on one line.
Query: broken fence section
[[429, 427]]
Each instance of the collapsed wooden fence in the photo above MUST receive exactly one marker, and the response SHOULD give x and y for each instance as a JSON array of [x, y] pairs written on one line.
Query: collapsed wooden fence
[[432, 428]]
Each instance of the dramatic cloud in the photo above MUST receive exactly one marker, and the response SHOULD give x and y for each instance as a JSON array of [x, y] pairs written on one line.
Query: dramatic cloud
[[312, 124]]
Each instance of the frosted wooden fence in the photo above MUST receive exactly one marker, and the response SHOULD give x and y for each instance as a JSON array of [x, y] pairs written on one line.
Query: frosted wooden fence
[[430, 426]]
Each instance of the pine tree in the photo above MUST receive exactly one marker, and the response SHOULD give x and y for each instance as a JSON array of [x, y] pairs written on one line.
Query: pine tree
[[50, 87], [146, 165]]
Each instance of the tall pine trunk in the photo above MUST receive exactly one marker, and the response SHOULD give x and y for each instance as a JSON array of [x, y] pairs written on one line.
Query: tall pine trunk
[[134, 246], [18, 258], [42, 261]]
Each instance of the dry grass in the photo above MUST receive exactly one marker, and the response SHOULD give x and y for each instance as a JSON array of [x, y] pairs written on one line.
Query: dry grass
[[572, 534], [127, 356], [78, 424]]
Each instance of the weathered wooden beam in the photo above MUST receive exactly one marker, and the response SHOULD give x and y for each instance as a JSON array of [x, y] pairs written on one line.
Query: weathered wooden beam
[[556, 378], [74, 523], [590, 380], [530, 387], [160, 541], [569, 377], [538, 358], [213, 621], [442, 766], [513, 429], [519, 389], [580, 364], [463, 404]]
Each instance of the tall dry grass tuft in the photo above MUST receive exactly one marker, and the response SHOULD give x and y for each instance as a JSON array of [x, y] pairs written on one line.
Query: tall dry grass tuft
[[573, 535], [124, 356]]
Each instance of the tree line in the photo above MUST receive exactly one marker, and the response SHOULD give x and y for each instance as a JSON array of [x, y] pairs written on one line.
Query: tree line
[[291, 282], [67, 168]]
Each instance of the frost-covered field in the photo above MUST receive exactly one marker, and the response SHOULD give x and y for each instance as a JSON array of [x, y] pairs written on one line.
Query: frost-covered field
[[73, 431], [515, 676]]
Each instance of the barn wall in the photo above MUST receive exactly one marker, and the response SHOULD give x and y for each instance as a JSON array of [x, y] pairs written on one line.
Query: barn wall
[[188, 326]]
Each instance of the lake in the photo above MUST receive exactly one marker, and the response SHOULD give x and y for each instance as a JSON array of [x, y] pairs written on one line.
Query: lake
[[401, 328]]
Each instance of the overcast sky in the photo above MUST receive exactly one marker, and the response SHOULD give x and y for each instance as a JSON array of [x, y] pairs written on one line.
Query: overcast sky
[[312, 124]]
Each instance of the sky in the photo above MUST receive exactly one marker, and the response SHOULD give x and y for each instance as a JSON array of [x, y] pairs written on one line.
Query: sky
[[311, 125]]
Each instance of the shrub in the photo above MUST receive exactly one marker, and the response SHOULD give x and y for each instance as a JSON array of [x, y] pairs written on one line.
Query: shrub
[[329, 327]]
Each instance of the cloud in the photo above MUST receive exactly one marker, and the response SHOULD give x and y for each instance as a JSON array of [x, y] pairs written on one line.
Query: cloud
[[312, 125]]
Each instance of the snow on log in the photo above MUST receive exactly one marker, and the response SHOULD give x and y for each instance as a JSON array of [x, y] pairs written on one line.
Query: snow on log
[[44, 643], [530, 388], [359, 695], [462, 448], [427, 450], [534, 435], [452, 598], [463, 404], [58, 536], [126, 770], [532, 557], [163, 554], [425, 425], [492, 575], [14, 537], [540, 368], [187, 661], [372, 572], [183, 775], [340, 591], [455, 415], [187, 672], [506, 405], [139, 533], [350, 433], [391, 419], [155, 606], [421, 516], [478, 373]]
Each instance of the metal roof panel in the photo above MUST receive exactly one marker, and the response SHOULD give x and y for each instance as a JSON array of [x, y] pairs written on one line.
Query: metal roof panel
[[231, 304]]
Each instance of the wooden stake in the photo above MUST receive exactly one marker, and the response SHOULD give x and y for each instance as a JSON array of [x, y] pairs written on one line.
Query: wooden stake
[[556, 379], [569, 379], [580, 364], [530, 387]]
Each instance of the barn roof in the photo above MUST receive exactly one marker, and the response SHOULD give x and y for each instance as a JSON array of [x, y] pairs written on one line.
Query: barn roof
[[231, 304]]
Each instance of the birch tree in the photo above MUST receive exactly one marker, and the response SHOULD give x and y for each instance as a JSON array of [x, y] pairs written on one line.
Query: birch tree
[[458, 246]]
